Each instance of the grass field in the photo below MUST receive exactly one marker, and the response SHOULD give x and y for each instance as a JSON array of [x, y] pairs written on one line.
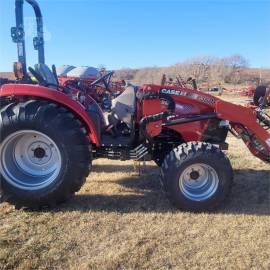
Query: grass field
[[122, 220]]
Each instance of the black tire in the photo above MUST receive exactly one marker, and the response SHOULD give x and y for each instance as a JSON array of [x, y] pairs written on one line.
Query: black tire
[[258, 93], [196, 154], [70, 137]]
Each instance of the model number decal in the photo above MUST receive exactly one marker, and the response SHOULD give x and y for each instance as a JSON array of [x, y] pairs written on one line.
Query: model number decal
[[199, 97]]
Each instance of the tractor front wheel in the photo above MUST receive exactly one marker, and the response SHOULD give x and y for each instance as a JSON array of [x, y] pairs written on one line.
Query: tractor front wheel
[[44, 153], [196, 176]]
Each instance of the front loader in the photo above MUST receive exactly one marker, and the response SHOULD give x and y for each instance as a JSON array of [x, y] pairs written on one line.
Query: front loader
[[51, 133]]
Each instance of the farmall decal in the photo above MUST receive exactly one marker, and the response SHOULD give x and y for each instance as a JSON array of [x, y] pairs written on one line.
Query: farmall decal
[[202, 98]]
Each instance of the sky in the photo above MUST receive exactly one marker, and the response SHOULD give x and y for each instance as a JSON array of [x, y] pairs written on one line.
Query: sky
[[141, 33]]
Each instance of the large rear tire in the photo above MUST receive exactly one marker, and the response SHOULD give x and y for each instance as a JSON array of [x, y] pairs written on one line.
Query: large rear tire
[[196, 176], [45, 153]]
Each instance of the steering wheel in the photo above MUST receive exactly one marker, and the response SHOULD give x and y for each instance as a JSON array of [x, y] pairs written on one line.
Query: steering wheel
[[105, 79]]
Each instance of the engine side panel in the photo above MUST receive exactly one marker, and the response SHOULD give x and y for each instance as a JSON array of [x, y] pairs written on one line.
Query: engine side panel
[[187, 103]]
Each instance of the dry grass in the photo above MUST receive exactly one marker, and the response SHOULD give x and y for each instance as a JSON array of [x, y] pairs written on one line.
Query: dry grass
[[122, 221]]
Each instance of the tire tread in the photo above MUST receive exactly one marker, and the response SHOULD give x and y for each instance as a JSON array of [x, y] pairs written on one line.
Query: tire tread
[[36, 113]]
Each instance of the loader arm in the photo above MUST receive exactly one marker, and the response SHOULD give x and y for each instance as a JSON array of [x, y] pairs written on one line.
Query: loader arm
[[244, 121]]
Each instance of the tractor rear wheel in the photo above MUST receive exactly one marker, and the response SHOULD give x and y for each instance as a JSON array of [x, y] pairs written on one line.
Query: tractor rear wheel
[[44, 153], [196, 176]]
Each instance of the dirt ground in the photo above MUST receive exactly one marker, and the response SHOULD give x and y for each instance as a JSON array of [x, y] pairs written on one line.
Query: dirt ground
[[122, 220]]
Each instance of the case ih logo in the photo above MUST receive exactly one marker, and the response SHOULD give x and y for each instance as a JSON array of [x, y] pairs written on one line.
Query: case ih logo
[[204, 99]]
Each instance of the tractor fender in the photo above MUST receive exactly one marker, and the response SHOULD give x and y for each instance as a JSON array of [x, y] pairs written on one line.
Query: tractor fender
[[37, 91]]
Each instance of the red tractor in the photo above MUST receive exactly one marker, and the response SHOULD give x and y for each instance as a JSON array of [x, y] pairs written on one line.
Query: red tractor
[[50, 134]]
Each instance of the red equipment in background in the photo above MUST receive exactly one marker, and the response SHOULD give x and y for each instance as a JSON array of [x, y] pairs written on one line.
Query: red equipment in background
[[249, 92]]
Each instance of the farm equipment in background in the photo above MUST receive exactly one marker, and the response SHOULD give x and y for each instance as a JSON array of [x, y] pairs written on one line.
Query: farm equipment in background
[[86, 79], [51, 132], [248, 92], [261, 96], [179, 81]]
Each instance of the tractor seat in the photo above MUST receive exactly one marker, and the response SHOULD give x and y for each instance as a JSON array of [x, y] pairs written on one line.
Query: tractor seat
[[123, 107], [46, 74]]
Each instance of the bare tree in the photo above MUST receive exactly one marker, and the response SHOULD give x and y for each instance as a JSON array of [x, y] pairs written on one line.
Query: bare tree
[[212, 70], [199, 67], [237, 63]]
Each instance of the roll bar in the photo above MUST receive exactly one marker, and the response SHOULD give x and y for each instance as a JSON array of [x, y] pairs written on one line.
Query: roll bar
[[18, 34]]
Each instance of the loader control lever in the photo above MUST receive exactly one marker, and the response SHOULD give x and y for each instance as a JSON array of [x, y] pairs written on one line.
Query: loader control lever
[[43, 82], [38, 76]]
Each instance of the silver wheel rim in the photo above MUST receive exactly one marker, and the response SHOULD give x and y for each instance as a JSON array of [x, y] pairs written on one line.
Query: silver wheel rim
[[29, 160], [198, 182]]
